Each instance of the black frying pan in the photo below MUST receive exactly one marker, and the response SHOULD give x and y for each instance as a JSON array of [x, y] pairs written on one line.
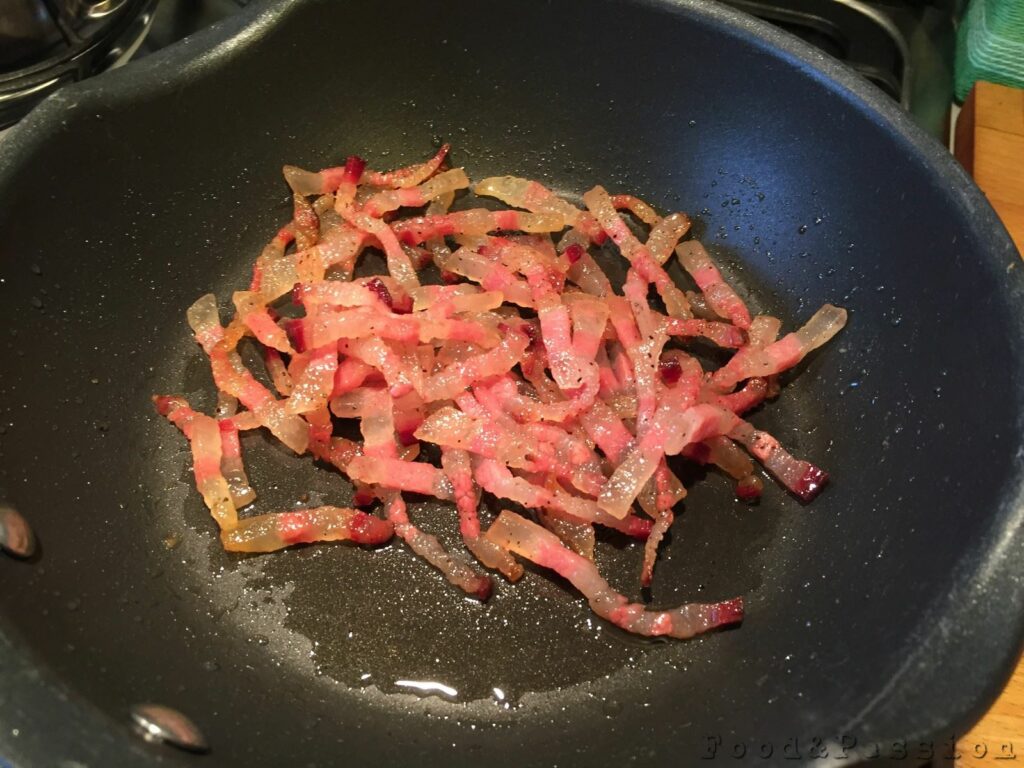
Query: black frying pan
[[888, 610]]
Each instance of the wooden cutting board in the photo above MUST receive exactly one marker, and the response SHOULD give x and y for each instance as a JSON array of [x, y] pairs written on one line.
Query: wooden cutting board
[[990, 145]]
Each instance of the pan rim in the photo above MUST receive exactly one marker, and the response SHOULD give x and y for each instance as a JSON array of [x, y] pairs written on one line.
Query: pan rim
[[990, 569]]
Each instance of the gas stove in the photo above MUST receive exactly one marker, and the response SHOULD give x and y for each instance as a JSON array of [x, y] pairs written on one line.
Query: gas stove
[[905, 47], [45, 44]]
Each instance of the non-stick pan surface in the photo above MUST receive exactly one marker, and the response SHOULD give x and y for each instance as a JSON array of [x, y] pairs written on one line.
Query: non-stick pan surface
[[887, 610]]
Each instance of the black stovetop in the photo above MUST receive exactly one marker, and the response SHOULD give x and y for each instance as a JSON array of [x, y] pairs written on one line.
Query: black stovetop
[[905, 47]]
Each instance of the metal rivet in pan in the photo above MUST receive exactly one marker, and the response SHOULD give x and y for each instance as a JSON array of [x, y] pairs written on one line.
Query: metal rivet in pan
[[16, 538], [162, 724], [92, 9]]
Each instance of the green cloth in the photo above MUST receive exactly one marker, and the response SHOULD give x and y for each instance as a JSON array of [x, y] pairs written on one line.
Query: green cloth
[[990, 45]]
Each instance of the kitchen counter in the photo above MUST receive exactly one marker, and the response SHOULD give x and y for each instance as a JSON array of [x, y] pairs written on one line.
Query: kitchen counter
[[990, 144]]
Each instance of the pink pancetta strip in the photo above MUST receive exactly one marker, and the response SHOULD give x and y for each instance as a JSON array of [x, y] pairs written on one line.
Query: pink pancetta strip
[[458, 466], [637, 207], [600, 205], [533, 196], [801, 477], [587, 273], [456, 570], [665, 500], [258, 320], [231, 465], [577, 536], [268, 533], [415, 197], [409, 176], [542, 547], [329, 326], [326, 181], [379, 355], [305, 223], [458, 376], [784, 353], [722, 334], [350, 374], [399, 264], [312, 389], [719, 294], [477, 221], [409, 476], [455, 429], [730, 458], [233, 378], [203, 435], [750, 396], [495, 478], [278, 371], [665, 234]]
